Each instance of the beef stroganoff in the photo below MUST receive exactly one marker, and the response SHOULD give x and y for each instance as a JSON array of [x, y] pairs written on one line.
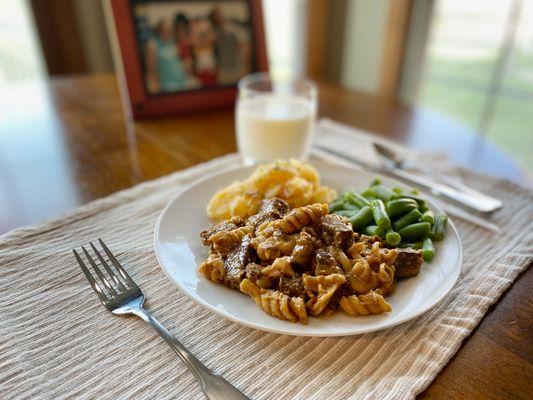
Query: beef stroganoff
[[294, 258], [304, 262]]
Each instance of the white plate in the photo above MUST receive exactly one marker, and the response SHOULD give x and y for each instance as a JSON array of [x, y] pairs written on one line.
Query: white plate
[[179, 251]]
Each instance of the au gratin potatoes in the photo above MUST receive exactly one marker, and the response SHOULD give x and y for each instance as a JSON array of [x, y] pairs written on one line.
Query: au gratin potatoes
[[295, 182], [277, 242]]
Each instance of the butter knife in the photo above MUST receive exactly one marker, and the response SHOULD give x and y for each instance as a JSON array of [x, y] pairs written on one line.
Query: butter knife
[[479, 204], [446, 207], [390, 157]]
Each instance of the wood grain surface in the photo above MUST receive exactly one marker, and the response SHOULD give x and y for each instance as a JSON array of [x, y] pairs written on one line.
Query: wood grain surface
[[64, 143]]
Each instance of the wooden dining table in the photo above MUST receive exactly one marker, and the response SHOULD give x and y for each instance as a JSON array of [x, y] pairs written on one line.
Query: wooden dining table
[[66, 141]]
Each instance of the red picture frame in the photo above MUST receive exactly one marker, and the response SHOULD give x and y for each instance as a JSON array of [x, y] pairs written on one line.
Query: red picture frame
[[129, 70]]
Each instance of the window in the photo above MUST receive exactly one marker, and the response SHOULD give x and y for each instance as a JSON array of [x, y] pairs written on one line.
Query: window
[[285, 34], [476, 66], [19, 52]]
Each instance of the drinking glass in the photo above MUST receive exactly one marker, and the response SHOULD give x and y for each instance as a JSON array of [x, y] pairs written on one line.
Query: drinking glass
[[274, 117]]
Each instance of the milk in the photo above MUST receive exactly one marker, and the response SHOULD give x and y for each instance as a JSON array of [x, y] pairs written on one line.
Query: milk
[[272, 126]]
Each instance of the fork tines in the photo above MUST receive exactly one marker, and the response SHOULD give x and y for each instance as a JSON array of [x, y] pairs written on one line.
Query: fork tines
[[108, 286]]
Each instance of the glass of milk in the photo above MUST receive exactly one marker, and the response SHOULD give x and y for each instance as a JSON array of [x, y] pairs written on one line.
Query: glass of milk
[[274, 118]]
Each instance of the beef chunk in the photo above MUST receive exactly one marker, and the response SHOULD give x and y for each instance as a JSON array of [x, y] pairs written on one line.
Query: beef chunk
[[345, 290], [260, 218], [304, 249], [408, 263], [325, 263], [253, 271], [236, 262], [292, 286], [274, 204], [270, 210], [308, 268], [336, 231], [228, 225]]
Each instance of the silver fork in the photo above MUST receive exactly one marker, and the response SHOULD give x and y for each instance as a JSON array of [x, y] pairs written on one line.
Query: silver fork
[[120, 295]]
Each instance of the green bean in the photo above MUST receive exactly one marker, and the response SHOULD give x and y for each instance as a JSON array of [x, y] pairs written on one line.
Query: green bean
[[382, 192], [421, 202], [392, 238], [400, 206], [438, 232], [380, 214], [363, 200], [345, 213], [413, 245], [355, 199], [369, 193], [423, 208], [362, 218], [398, 193], [428, 216], [337, 204], [428, 250], [409, 218], [418, 231], [350, 206], [373, 230]]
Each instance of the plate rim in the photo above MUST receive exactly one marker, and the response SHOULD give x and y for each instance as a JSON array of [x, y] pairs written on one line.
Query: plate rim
[[253, 325]]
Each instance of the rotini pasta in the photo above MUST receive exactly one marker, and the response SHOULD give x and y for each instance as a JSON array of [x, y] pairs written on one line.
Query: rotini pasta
[[356, 249], [224, 240], [364, 304], [270, 248], [213, 268], [321, 290], [362, 278], [275, 303], [297, 219], [280, 266], [386, 278], [375, 255]]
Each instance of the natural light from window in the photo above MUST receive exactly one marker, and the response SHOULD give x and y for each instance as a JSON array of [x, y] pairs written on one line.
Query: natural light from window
[[19, 51], [479, 69]]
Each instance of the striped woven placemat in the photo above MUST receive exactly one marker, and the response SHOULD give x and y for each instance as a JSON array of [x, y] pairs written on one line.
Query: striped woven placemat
[[57, 341]]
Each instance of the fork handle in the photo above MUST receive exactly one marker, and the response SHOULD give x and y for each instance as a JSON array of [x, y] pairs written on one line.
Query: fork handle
[[214, 386]]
